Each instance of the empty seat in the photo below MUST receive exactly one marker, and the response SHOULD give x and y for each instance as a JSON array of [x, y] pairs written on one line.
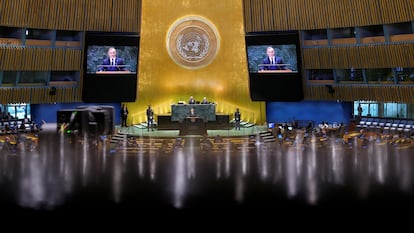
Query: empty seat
[[394, 126], [374, 124], [381, 124], [368, 123], [408, 128], [362, 123], [401, 125], [387, 126]]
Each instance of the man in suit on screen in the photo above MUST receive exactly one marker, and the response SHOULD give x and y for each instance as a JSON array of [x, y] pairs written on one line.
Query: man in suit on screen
[[272, 62], [112, 62]]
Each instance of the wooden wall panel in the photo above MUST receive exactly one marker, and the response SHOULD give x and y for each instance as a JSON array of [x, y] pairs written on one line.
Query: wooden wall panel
[[36, 16], [40, 59], [128, 15], [71, 14], [305, 16], [14, 12], [37, 95], [402, 93], [98, 14], [77, 15], [369, 56], [317, 14]]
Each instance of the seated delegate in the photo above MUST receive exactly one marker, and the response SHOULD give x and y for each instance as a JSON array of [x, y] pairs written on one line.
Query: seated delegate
[[205, 101]]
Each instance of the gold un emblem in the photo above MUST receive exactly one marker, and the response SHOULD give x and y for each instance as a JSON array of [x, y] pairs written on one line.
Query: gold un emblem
[[193, 42]]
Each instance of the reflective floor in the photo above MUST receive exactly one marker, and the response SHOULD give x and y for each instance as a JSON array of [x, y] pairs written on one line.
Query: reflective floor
[[61, 178]]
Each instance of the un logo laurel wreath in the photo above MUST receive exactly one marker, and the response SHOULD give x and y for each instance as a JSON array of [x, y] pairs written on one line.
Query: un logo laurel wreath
[[192, 42], [192, 46]]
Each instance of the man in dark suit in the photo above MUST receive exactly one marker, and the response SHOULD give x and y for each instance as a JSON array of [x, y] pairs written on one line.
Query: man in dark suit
[[359, 112], [237, 118], [272, 62], [112, 62], [191, 100], [150, 118]]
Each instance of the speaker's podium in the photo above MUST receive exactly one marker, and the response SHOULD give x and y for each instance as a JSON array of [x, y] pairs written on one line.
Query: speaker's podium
[[193, 126], [274, 68], [113, 69], [114, 72]]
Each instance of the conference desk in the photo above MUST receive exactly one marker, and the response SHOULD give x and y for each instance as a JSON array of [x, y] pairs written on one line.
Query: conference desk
[[207, 112]]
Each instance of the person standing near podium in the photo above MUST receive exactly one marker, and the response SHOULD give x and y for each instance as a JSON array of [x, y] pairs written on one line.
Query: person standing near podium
[[112, 62], [237, 118], [150, 118], [192, 112], [124, 115]]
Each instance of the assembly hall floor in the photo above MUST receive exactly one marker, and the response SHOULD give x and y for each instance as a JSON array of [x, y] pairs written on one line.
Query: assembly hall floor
[[162, 175]]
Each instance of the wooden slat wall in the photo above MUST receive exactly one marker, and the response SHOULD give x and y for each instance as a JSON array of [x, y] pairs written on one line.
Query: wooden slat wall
[[40, 59], [72, 12], [401, 93], [364, 56], [264, 15], [14, 12], [37, 95], [316, 14], [127, 15], [77, 15]]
